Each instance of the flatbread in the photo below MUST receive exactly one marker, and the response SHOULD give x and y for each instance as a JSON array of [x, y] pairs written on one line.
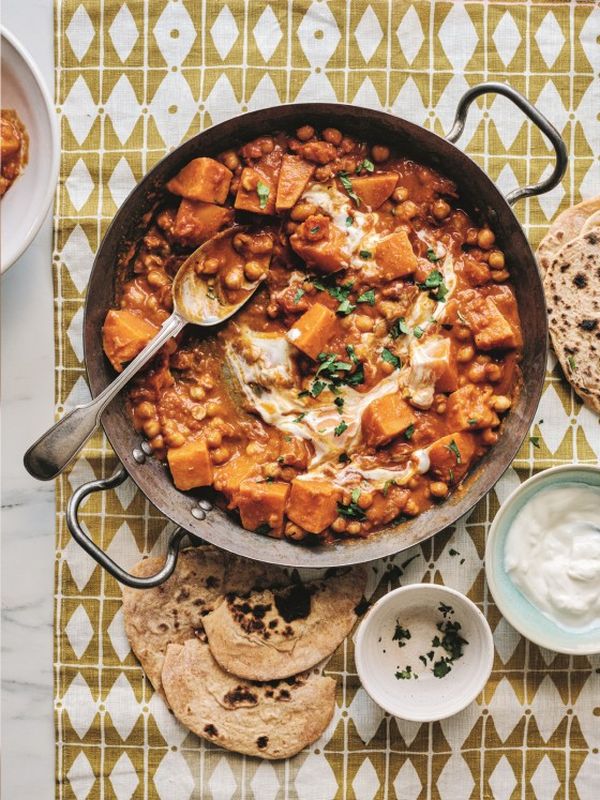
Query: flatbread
[[591, 223], [271, 720], [173, 612], [572, 287], [274, 634], [565, 227]]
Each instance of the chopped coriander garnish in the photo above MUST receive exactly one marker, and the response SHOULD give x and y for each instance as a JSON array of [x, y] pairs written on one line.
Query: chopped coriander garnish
[[453, 552], [365, 254], [345, 308], [442, 667], [300, 417], [571, 361], [339, 402], [263, 192], [386, 486], [355, 495], [472, 421], [399, 327], [453, 448], [343, 458], [339, 429], [352, 510], [408, 433], [535, 441], [316, 388], [423, 659], [435, 283], [462, 318], [418, 332], [298, 295], [352, 354], [432, 256], [316, 229], [405, 673], [367, 297], [349, 221], [347, 184], [400, 634], [387, 355], [264, 528], [365, 164]]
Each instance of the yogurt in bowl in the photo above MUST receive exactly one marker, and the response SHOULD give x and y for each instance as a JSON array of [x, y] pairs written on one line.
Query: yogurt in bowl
[[543, 559]]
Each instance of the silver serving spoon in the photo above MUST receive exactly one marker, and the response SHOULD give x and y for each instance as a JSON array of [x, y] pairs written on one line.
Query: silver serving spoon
[[192, 302]]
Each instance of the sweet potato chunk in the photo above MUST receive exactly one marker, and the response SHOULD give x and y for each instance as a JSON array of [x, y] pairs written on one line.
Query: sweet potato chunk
[[468, 409], [190, 465], [263, 504], [313, 330], [197, 221], [491, 329], [256, 192], [320, 244], [293, 177], [385, 418], [374, 190], [313, 504], [395, 257], [124, 335], [451, 456], [202, 179]]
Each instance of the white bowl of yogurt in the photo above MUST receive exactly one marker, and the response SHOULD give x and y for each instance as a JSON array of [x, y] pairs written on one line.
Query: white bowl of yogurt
[[542, 559]]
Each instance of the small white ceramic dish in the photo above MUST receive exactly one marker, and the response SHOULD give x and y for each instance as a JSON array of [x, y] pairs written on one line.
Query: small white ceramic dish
[[24, 206], [512, 603], [379, 657]]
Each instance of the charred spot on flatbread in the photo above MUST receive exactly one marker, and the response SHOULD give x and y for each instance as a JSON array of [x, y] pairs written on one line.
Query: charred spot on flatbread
[[294, 603]]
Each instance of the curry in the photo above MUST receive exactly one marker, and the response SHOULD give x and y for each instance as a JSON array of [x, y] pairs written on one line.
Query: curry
[[370, 371], [14, 144]]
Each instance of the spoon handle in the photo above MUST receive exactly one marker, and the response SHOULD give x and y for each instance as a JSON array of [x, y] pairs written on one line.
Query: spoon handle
[[56, 448]]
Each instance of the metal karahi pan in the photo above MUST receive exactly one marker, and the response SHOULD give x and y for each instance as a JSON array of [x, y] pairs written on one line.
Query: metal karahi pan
[[195, 513]]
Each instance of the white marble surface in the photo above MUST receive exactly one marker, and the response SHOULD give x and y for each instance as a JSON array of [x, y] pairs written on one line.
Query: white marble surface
[[27, 506]]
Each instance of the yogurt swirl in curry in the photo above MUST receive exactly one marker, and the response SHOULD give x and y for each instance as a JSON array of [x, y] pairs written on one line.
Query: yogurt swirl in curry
[[370, 372]]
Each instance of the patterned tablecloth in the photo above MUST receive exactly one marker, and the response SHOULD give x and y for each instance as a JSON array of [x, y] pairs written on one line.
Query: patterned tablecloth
[[135, 78]]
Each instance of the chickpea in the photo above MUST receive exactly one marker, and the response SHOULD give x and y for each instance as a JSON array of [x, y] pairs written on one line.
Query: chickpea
[[305, 133], [152, 303], [230, 159], [213, 408], [151, 260], [234, 278], [220, 455], [207, 381], [291, 227], [197, 393], [438, 488], [411, 508], [339, 525], [440, 209], [386, 367], [157, 443], [462, 333], [214, 439], [175, 439], [210, 266], [471, 236], [151, 428], [346, 497], [380, 153], [146, 410], [489, 436], [441, 407], [476, 373], [272, 310], [406, 210], [353, 528], [267, 145], [253, 270], [271, 470], [347, 144], [500, 275], [465, 354], [302, 210], [249, 181], [332, 135], [295, 532], [413, 483], [365, 500], [323, 173], [493, 372], [485, 238], [400, 194], [198, 413], [157, 278], [500, 403], [363, 323], [496, 259]]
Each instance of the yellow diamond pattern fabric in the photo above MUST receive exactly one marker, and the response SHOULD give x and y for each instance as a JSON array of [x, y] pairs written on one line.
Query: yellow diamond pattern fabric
[[134, 78]]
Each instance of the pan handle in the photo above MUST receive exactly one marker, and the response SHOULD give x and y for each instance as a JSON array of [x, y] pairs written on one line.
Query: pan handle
[[534, 115], [105, 561]]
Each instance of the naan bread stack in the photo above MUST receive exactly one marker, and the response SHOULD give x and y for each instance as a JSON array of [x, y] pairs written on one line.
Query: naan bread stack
[[569, 257], [230, 644]]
